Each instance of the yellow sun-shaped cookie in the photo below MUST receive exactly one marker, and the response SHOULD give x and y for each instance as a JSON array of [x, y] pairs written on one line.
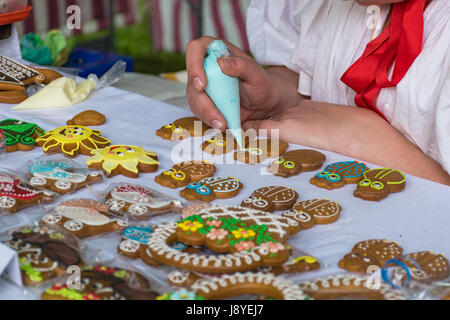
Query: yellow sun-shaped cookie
[[125, 160], [72, 140]]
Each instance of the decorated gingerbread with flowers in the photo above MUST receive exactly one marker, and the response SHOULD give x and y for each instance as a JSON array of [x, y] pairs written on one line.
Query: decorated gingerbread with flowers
[[245, 238]]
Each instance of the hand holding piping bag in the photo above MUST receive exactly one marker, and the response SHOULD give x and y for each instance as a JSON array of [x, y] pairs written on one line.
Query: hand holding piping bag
[[223, 89]]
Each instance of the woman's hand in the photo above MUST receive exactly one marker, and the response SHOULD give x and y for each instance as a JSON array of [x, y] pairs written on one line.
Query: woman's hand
[[259, 89], [352, 131]]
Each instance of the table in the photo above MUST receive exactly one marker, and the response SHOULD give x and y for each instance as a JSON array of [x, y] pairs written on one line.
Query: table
[[417, 218]]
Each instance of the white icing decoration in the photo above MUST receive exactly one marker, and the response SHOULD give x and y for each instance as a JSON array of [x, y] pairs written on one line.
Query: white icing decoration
[[84, 215]]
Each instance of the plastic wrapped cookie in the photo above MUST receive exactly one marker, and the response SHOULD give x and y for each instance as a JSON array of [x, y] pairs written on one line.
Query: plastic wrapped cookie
[[60, 175], [83, 218], [44, 253], [138, 202], [183, 128], [104, 283], [19, 135], [16, 194]]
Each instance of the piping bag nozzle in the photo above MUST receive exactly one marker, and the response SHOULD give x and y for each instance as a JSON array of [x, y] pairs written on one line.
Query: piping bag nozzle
[[223, 89]]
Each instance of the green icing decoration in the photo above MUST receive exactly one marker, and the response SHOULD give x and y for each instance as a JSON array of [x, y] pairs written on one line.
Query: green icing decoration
[[66, 293], [31, 273], [17, 131]]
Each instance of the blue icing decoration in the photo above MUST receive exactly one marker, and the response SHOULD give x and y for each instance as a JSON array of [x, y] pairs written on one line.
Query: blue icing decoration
[[179, 246], [138, 233], [348, 169], [48, 166]]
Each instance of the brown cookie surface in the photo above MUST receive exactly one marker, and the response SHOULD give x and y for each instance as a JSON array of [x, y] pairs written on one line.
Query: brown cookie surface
[[212, 188], [87, 118], [377, 184], [184, 173], [126, 160], [338, 174], [370, 252], [83, 218], [272, 198], [72, 141], [183, 128], [296, 161], [321, 211], [258, 150], [43, 253]]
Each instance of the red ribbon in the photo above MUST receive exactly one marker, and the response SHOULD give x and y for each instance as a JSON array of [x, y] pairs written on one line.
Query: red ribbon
[[400, 44]]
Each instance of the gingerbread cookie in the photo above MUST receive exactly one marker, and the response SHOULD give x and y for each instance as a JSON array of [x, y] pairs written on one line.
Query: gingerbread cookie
[[209, 189], [16, 195], [338, 174], [184, 173], [370, 253], [349, 286], [257, 151], [20, 135], [296, 265], [220, 144], [124, 160], [183, 128], [317, 211], [248, 239], [424, 266], [377, 184], [87, 118], [60, 176], [273, 198], [296, 161], [83, 218], [72, 140], [135, 240], [104, 283], [44, 253], [227, 286]]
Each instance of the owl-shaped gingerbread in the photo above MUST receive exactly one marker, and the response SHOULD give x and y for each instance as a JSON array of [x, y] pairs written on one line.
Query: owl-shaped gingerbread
[[184, 173], [257, 151], [368, 253], [338, 174], [272, 198], [296, 161], [183, 128], [377, 184], [424, 266], [212, 188]]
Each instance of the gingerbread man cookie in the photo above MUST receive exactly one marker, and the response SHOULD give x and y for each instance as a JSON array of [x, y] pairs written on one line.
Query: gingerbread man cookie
[[317, 211], [72, 140], [183, 128], [231, 285], [424, 266], [104, 283], [138, 202], [83, 218], [273, 198], [349, 286], [184, 173], [257, 151], [44, 253], [338, 174], [377, 184], [60, 176], [248, 239], [20, 135], [123, 159], [88, 118], [16, 195], [209, 189], [370, 253], [294, 162]]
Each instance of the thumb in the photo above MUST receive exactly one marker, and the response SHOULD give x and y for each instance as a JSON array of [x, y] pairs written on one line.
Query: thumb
[[246, 69]]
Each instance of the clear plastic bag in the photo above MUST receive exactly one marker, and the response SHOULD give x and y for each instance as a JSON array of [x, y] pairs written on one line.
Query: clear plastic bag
[[139, 202], [16, 194], [60, 175]]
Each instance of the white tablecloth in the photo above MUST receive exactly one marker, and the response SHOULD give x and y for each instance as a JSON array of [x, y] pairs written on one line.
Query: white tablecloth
[[417, 218]]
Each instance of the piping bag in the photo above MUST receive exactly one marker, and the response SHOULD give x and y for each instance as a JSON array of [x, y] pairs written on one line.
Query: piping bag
[[65, 92], [223, 89]]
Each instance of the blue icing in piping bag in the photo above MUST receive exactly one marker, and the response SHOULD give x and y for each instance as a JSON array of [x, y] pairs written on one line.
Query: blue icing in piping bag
[[223, 89]]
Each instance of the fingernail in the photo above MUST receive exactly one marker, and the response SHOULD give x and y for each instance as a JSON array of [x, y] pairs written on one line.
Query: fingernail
[[198, 83], [216, 124], [228, 62]]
